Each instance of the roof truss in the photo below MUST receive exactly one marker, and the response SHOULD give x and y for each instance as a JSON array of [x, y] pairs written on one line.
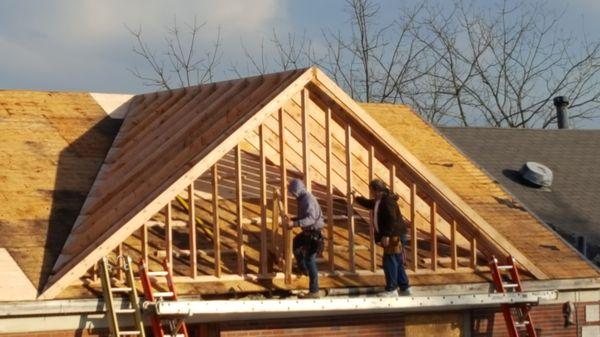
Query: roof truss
[[357, 123]]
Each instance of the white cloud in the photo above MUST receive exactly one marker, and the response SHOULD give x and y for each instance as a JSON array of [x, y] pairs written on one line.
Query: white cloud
[[68, 41]]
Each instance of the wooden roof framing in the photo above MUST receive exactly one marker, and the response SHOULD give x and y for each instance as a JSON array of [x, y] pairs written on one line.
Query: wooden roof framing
[[168, 139], [485, 195]]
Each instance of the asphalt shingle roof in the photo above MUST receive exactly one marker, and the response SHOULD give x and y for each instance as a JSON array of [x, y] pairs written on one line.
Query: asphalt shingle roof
[[571, 204]]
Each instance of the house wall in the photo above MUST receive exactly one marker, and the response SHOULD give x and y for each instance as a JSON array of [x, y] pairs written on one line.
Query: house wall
[[63, 333], [548, 320]]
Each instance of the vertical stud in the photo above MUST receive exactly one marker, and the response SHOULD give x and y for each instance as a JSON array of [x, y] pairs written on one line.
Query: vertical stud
[[239, 210], [393, 177], [282, 161], [216, 219], [263, 203], [454, 252], [413, 227], [473, 252], [373, 247], [192, 232], [305, 140], [330, 221], [144, 241], [169, 235], [349, 208], [433, 238]]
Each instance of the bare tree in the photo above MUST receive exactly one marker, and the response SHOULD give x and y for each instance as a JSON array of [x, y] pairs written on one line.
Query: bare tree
[[376, 62], [184, 63], [502, 66], [454, 63]]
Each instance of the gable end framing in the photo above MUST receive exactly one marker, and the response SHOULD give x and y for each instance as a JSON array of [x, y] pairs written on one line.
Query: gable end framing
[[234, 133]]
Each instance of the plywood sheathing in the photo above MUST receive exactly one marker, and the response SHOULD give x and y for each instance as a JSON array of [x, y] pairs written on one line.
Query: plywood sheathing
[[51, 147], [485, 196], [15, 285], [165, 137], [170, 138]]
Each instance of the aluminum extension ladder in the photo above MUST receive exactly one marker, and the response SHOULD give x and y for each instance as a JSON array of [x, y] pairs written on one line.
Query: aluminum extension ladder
[[174, 324], [123, 264], [517, 315]]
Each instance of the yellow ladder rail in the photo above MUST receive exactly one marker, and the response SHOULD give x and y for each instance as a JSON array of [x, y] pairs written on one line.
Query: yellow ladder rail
[[108, 291]]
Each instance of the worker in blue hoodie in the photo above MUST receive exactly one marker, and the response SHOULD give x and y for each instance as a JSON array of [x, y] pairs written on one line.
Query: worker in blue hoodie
[[308, 243]]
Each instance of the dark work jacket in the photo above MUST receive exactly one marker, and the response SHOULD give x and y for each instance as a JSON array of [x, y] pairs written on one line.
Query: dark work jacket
[[389, 219]]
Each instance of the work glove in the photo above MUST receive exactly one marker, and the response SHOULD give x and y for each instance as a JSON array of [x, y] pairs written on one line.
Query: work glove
[[405, 239], [385, 241]]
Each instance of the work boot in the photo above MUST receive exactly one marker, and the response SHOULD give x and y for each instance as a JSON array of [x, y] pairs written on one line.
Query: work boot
[[391, 293], [405, 292], [310, 295], [299, 272]]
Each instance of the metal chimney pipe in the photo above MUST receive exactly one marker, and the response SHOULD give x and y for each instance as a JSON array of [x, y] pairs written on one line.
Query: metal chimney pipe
[[562, 115]]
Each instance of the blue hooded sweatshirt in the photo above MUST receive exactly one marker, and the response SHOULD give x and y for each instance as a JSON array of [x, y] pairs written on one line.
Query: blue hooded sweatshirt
[[309, 210]]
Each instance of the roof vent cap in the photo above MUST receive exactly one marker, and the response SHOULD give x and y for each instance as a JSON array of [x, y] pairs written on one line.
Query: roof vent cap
[[537, 174]]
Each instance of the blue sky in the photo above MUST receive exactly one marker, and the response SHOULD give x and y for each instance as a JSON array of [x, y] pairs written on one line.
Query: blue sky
[[84, 45]]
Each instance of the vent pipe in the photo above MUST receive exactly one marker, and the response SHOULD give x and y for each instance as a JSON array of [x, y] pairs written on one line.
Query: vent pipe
[[562, 115]]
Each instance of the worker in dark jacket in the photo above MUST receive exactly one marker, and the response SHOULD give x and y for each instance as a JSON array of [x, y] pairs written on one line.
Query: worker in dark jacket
[[308, 243], [391, 234]]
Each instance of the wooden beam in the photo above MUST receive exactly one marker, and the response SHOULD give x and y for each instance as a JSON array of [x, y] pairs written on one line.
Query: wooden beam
[[433, 238], [73, 266], [95, 270], [216, 227], [453, 245], [263, 203], [192, 231], [373, 251], [330, 222], [169, 235], [413, 227], [287, 234], [283, 161], [120, 261], [144, 241], [305, 140], [349, 209], [473, 252], [392, 177], [239, 206], [431, 184]]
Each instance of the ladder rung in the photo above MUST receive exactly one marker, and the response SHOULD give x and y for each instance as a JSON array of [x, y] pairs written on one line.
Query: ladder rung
[[120, 290], [510, 285], [124, 311], [158, 273], [505, 267], [129, 333], [163, 294], [521, 324]]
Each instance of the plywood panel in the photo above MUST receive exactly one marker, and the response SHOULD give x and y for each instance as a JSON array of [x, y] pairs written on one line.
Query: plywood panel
[[438, 324]]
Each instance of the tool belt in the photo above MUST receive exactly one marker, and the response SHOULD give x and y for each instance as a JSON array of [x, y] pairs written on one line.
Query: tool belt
[[311, 241], [394, 247]]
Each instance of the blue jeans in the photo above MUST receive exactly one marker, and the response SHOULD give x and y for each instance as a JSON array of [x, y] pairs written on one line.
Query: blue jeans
[[395, 275], [309, 262]]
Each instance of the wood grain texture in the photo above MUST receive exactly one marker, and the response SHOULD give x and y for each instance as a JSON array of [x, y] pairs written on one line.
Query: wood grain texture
[[114, 210], [193, 128], [52, 145], [480, 192]]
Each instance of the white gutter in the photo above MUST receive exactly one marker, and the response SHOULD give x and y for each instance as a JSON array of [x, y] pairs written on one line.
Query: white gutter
[[211, 311]]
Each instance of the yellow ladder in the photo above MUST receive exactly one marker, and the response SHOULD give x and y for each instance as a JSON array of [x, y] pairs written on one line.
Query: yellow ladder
[[123, 263]]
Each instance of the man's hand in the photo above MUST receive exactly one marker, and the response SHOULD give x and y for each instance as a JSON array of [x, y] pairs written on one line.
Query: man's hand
[[385, 241], [287, 221]]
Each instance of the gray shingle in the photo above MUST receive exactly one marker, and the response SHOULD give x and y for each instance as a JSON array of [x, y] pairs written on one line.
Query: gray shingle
[[572, 204]]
